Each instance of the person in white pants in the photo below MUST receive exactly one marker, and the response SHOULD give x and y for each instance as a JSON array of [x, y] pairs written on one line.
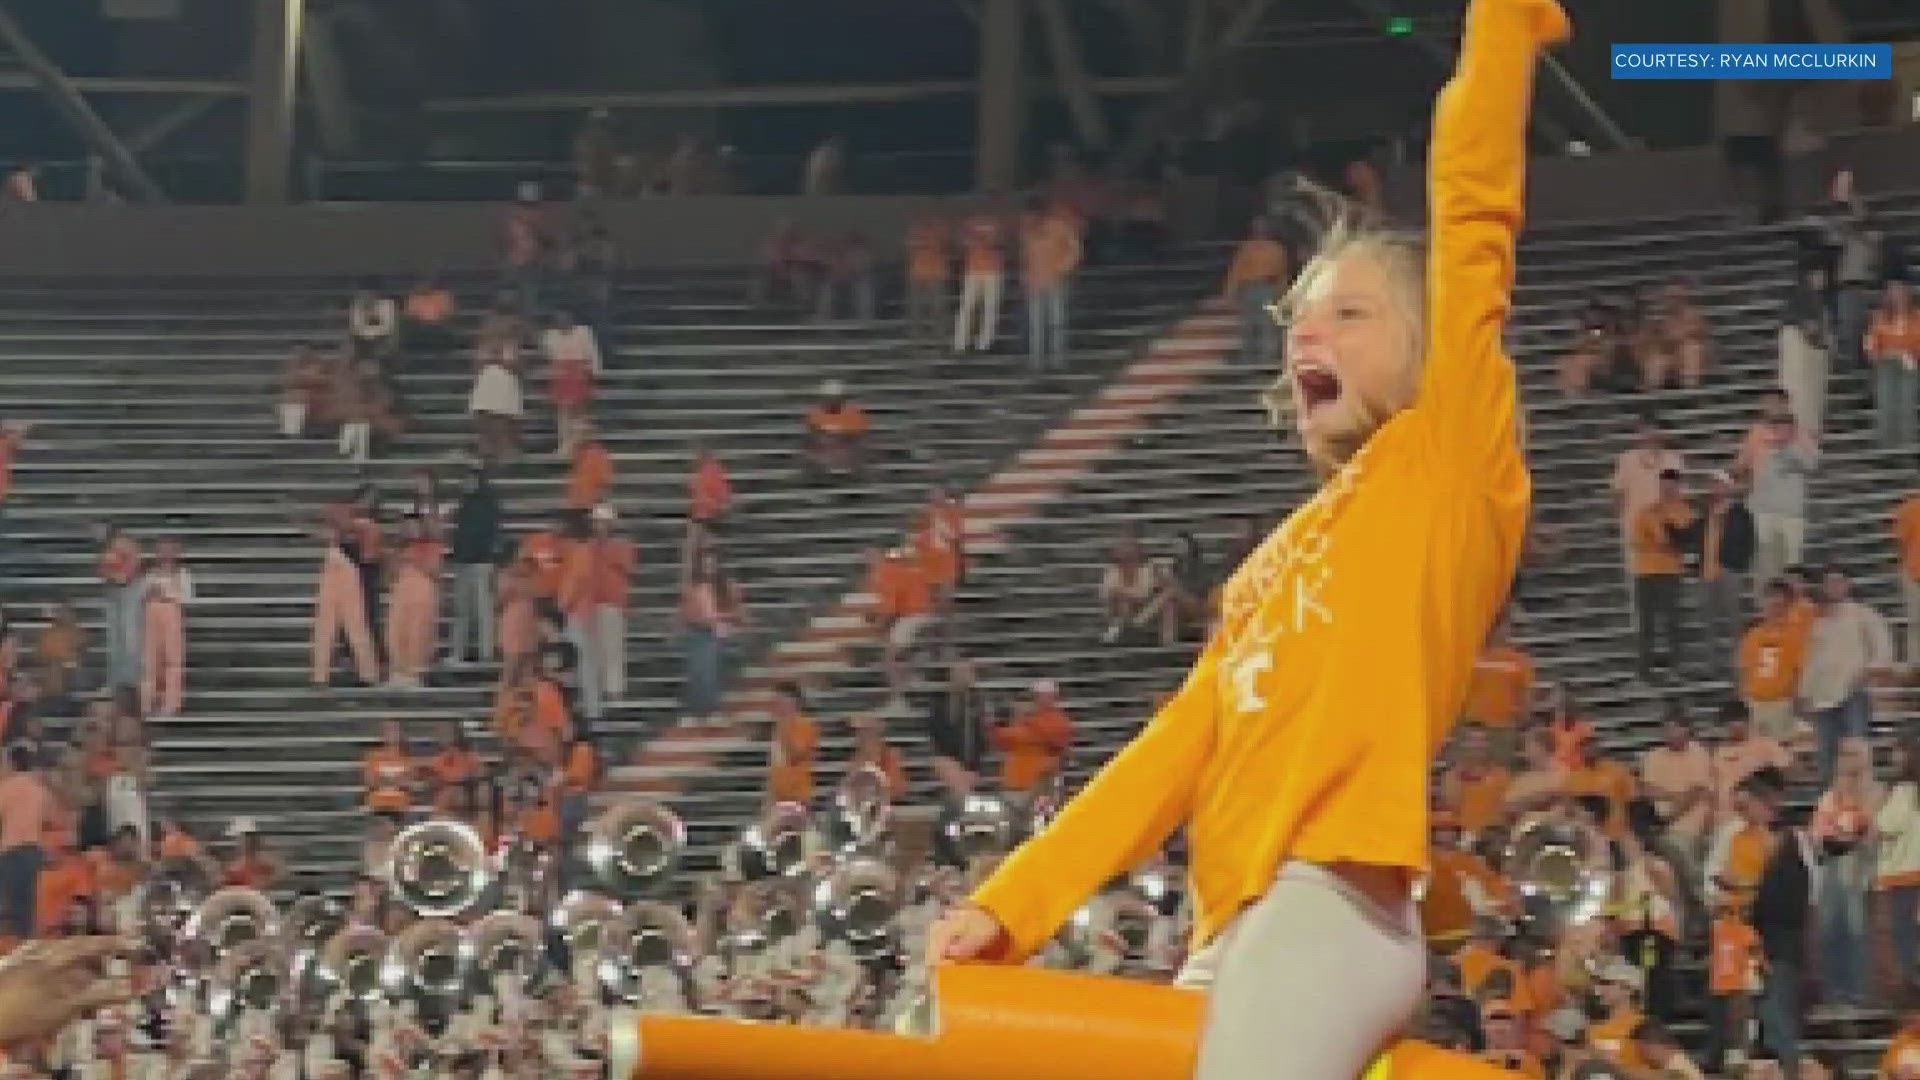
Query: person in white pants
[[978, 319], [1806, 347], [614, 560], [1785, 457]]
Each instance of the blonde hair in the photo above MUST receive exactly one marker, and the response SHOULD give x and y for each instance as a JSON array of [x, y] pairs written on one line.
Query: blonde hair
[[1353, 232]]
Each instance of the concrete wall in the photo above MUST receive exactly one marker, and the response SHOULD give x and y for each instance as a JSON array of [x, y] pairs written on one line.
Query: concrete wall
[[58, 240]]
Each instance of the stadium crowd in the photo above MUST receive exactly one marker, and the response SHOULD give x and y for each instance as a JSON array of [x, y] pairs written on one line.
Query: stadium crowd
[[1722, 910]]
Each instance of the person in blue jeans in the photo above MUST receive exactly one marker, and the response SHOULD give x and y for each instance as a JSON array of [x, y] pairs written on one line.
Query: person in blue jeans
[[1840, 831], [1848, 646], [1892, 347]]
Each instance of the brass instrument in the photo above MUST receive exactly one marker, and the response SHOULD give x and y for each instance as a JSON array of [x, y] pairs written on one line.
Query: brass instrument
[[426, 960], [633, 848], [981, 824], [583, 920], [862, 809], [351, 963], [439, 868], [776, 845], [506, 945], [228, 919], [1045, 805], [648, 936], [251, 977], [1563, 870], [857, 901], [524, 878], [169, 897]]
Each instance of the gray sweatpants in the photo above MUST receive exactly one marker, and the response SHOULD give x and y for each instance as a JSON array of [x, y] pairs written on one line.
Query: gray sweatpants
[[1315, 974]]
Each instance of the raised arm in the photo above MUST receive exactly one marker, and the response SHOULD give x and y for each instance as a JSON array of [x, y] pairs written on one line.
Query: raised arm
[[1476, 183], [1118, 819]]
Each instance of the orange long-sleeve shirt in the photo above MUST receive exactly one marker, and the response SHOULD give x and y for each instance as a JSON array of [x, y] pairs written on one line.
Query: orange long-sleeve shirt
[[790, 777], [591, 476], [1033, 744], [1906, 532], [1371, 600], [709, 492]]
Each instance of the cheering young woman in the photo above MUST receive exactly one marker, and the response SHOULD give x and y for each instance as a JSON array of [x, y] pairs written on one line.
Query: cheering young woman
[[1297, 753]]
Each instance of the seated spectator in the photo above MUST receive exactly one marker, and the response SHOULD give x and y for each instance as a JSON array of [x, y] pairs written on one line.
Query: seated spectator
[[372, 323], [1126, 589], [1588, 361], [301, 387], [572, 361], [1034, 743], [389, 773], [453, 768], [1500, 694], [902, 611], [795, 747], [1893, 345], [590, 475], [1681, 345], [709, 491], [870, 748], [253, 865], [427, 320], [837, 432]]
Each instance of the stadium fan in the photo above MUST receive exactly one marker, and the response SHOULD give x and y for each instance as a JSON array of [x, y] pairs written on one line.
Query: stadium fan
[[712, 612], [837, 431], [1892, 343], [709, 490], [1658, 531], [1034, 741], [793, 751], [167, 589], [573, 359], [1049, 254], [1848, 647], [929, 267], [983, 259]]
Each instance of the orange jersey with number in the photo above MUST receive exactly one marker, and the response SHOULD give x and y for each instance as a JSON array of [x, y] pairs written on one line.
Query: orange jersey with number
[[1308, 727], [1770, 655]]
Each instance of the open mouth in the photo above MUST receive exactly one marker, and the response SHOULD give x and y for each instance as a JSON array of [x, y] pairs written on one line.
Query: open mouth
[[1315, 386]]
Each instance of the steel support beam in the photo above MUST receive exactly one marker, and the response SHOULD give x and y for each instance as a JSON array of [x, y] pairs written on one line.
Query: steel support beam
[[1070, 72], [759, 97], [177, 118], [1003, 95], [273, 67], [73, 108], [108, 84], [325, 80]]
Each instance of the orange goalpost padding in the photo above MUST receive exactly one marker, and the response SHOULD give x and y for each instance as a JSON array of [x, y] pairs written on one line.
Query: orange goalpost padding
[[994, 1023]]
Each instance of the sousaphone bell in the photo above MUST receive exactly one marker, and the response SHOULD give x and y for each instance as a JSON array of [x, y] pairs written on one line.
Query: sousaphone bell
[[227, 920], [426, 960], [634, 847], [251, 978], [857, 902], [776, 844], [862, 809], [583, 920], [649, 938], [1563, 870], [506, 945], [977, 825], [352, 961], [439, 868]]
